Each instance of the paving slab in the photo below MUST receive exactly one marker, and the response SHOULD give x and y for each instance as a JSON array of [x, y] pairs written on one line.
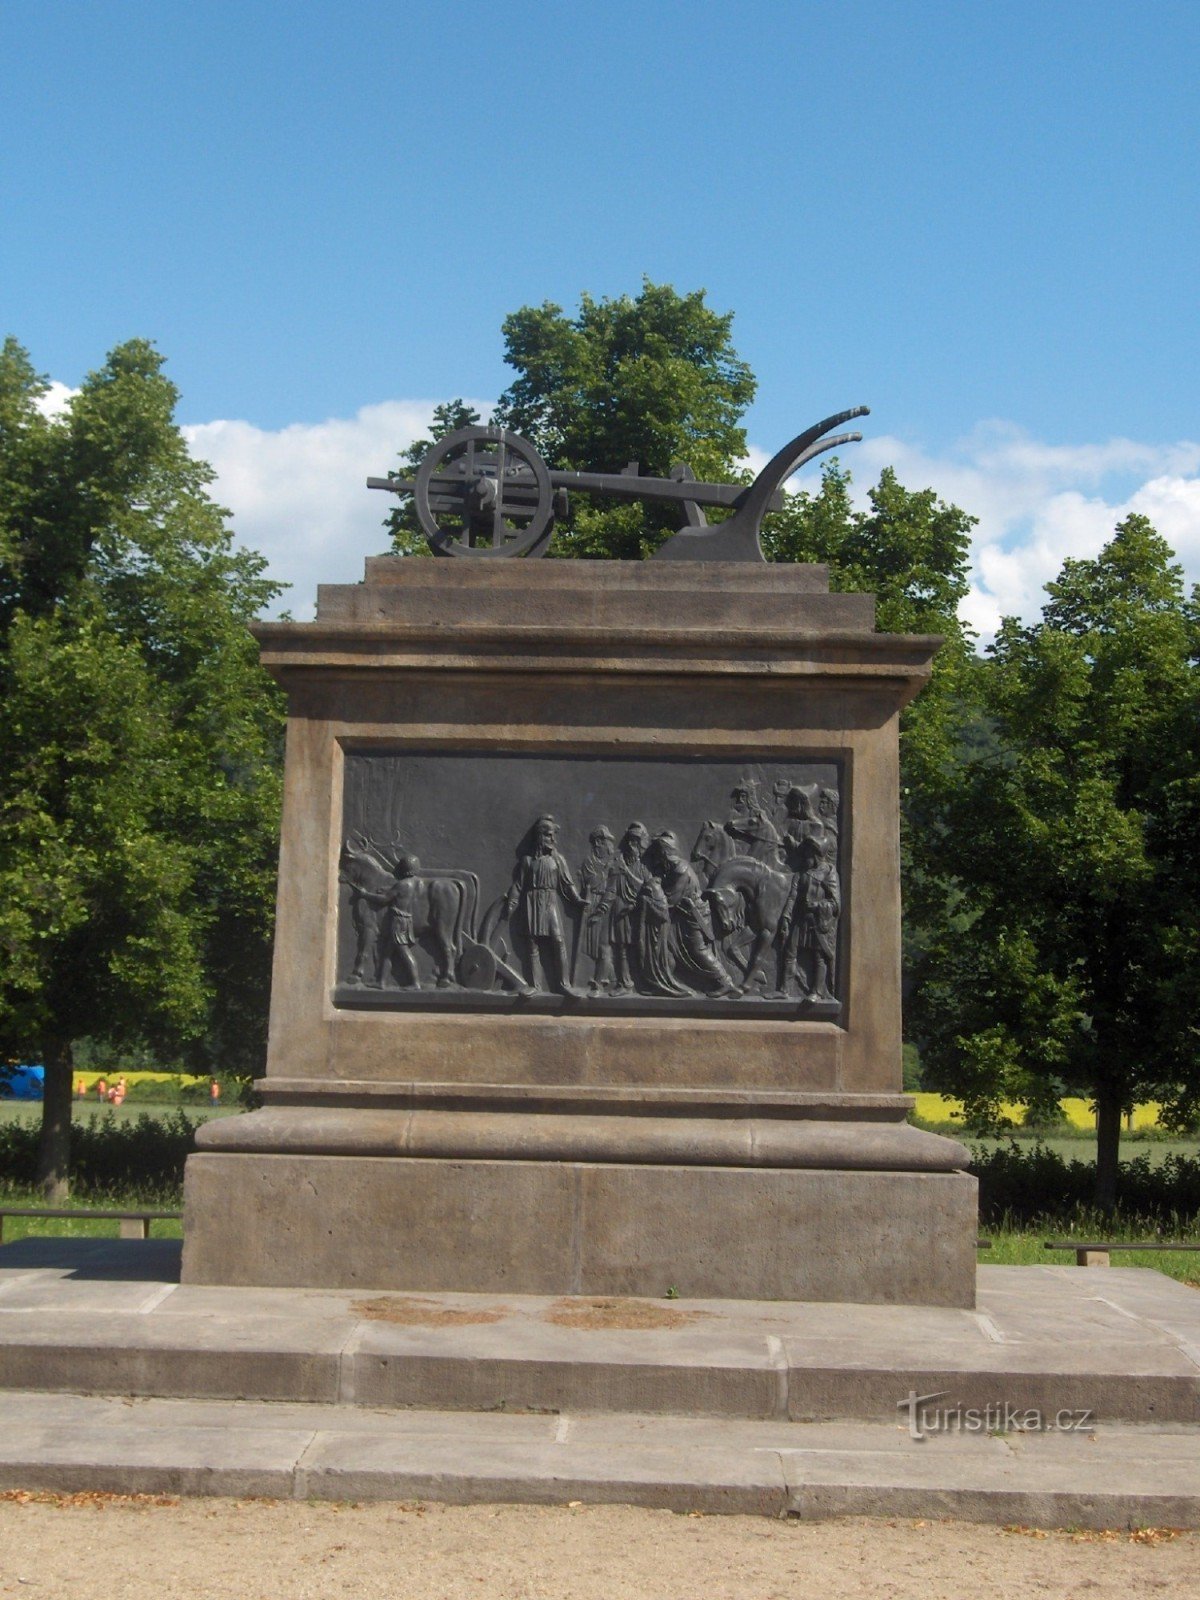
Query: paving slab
[[1119, 1476], [49, 1291], [1127, 1381], [94, 1352], [132, 1459], [524, 1362]]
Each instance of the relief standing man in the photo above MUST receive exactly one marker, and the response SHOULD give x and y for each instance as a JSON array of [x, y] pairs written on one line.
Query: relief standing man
[[540, 881], [594, 875]]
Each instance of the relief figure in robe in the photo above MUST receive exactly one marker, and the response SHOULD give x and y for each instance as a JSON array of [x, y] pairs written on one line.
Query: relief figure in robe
[[691, 919], [622, 901], [594, 875]]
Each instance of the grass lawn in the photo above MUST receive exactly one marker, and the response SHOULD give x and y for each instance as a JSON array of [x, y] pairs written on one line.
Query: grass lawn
[[1013, 1247], [1010, 1246], [85, 1112], [69, 1228], [90, 1110]]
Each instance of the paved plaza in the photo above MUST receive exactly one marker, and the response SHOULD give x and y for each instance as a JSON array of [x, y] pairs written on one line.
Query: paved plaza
[[1070, 1396]]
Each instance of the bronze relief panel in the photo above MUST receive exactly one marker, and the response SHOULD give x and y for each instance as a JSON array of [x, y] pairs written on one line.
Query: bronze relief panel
[[591, 883]]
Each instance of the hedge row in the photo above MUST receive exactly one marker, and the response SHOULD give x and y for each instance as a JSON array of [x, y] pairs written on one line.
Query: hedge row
[[1027, 1184], [108, 1156]]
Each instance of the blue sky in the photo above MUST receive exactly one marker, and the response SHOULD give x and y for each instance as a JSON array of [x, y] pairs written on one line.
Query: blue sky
[[980, 219]]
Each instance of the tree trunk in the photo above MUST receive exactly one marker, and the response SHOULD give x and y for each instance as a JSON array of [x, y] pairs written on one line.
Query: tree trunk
[[54, 1146], [1108, 1147]]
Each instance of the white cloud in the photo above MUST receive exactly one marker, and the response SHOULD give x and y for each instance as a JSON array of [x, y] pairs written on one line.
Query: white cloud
[[55, 398], [1173, 506], [298, 494], [1040, 503]]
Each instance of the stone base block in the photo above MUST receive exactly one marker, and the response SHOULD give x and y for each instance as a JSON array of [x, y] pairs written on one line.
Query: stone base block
[[546, 1227]]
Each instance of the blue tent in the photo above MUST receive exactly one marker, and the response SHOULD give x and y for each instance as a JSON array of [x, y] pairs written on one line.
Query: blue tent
[[22, 1083]]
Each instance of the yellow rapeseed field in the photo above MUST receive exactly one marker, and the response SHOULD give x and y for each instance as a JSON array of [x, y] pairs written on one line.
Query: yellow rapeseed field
[[1080, 1113], [90, 1079]]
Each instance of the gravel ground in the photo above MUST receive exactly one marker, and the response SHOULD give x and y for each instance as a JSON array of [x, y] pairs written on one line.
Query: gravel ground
[[92, 1547]]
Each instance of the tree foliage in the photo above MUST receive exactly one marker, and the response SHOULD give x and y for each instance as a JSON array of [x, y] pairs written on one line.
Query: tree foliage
[[648, 378], [139, 738], [1074, 961]]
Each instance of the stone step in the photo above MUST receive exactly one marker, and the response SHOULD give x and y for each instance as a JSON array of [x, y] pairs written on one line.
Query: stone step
[[1117, 1477], [109, 1316]]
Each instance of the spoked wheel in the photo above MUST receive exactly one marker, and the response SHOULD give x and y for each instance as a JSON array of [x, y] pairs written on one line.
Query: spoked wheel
[[484, 492]]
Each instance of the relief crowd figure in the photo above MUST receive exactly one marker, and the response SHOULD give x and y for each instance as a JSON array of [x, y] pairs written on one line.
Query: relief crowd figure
[[809, 923], [682, 898], [621, 902], [749, 826], [594, 876]]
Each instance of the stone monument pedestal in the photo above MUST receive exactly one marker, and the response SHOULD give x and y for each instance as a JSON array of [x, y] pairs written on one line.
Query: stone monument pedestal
[[499, 1059]]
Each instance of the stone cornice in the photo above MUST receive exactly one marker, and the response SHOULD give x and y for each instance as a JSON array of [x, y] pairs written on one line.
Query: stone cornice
[[305, 647]]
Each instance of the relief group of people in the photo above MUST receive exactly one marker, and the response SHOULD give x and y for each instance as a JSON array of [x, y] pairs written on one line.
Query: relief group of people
[[646, 918], [633, 896]]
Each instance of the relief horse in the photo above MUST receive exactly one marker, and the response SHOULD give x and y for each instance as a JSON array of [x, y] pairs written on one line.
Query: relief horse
[[715, 845], [747, 896]]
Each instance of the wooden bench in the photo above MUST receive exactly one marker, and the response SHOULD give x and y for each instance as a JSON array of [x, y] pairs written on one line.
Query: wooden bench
[[1097, 1254], [134, 1224]]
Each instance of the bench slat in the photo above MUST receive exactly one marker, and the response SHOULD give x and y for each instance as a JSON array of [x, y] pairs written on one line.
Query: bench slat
[[134, 1224], [1097, 1255], [1123, 1245]]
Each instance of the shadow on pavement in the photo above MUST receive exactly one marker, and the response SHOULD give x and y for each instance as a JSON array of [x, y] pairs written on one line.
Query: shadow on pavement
[[117, 1260]]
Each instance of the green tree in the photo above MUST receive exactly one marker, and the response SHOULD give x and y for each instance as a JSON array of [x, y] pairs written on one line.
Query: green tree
[[650, 378], [1075, 958], [910, 550], [653, 379], [139, 739]]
